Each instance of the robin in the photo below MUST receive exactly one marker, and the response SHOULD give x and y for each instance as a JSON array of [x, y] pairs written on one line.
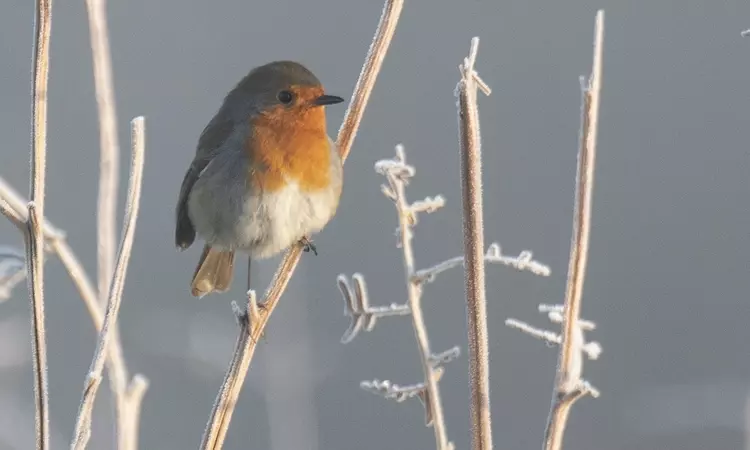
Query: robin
[[265, 173]]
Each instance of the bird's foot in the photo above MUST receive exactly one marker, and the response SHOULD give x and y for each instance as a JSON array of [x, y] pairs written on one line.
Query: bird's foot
[[308, 245]]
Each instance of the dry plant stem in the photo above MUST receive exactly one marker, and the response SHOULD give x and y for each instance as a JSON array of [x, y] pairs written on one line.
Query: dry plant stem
[[476, 302], [109, 148], [221, 414], [13, 207], [34, 234], [567, 389], [83, 421], [109, 163], [414, 293]]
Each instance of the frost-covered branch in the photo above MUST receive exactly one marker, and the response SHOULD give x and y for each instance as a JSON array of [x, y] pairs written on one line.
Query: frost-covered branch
[[569, 383], [473, 231], [34, 232], [392, 391], [82, 431], [524, 262], [357, 306], [398, 174]]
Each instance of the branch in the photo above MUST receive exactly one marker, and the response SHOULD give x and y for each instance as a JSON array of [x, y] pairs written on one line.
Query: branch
[[15, 207], [392, 391], [569, 386], [476, 302], [34, 234], [221, 414], [357, 306], [109, 162], [108, 143], [524, 261], [398, 173], [93, 379]]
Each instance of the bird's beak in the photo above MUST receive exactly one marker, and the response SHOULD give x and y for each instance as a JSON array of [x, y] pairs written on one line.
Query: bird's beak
[[324, 100]]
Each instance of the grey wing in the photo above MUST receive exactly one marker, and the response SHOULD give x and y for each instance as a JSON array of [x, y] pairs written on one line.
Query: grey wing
[[216, 132]]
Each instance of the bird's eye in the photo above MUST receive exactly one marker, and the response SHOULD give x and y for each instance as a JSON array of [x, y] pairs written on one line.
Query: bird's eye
[[285, 97]]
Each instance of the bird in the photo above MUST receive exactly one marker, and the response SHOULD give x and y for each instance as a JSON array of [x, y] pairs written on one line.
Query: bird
[[265, 175]]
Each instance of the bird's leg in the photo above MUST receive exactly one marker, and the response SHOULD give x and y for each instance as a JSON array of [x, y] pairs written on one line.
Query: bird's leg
[[308, 245]]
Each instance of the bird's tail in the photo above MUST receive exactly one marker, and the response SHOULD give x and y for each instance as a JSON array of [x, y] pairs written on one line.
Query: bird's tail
[[214, 272]]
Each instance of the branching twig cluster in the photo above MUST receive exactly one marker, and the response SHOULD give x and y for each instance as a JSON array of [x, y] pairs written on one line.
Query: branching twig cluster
[[364, 316], [41, 236], [569, 384]]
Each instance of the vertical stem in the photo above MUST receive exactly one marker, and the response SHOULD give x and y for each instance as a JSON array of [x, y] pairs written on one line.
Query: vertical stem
[[476, 302], [567, 384], [108, 144], [414, 292], [34, 232]]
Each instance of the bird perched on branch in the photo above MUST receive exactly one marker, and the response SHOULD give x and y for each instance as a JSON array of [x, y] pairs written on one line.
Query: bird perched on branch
[[265, 173]]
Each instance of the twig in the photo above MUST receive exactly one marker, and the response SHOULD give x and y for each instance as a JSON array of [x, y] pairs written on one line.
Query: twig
[[93, 379], [34, 235], [109, 163], [524, 261], [476, 303], [108, 144], [221, 414], [357, 306], [397, 179], [13, 206], [569, 386]]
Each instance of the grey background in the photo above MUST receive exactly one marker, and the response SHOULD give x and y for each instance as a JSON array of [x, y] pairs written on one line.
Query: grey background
[[667, 283]]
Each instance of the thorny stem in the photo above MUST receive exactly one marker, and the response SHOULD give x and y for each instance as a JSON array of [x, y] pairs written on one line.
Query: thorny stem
[[221, 414], [569, 388], [476, 302], [414, 292], [34, 234]]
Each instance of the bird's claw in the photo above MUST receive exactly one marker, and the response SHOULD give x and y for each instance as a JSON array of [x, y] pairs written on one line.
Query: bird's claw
[[308, 246]]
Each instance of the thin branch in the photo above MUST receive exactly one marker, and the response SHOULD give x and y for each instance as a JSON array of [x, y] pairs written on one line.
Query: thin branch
[[398, 175], [357, 306], [55, 240], [568, 384], [108, 144], [8, 211], [524, 261], [93, 379], [476, 302], [369, 73], [35, 282], [34, 235], [221, 414], [109, 162], [14, 207]]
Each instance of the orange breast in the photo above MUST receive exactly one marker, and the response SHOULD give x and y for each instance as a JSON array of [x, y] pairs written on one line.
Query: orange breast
[[286, 145]]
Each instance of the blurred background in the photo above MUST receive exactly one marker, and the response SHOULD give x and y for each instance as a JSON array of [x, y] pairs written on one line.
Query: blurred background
[[667, 281]]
